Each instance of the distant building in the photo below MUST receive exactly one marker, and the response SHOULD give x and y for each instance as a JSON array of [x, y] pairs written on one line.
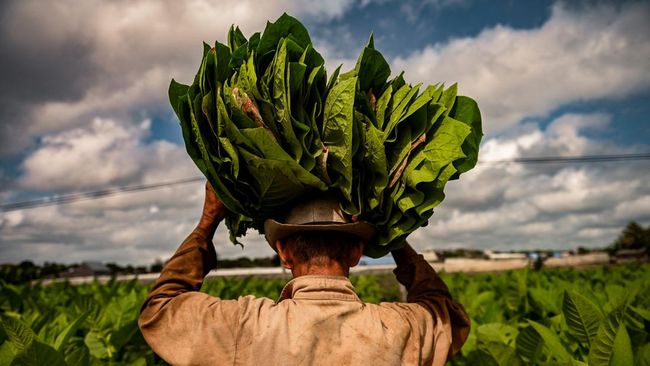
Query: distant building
[[533, 256], [499, 256], [86, 269], [431, 256], [630, 255], [593, 258]]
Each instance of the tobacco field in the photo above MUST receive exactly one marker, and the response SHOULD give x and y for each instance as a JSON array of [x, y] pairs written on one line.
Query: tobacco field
[[598, 316]]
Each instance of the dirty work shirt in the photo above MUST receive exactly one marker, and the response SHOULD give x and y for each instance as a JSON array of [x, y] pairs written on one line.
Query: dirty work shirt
[[318, 320]]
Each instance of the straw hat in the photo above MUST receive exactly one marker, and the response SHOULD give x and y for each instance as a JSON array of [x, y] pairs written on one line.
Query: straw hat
[[321, 214]]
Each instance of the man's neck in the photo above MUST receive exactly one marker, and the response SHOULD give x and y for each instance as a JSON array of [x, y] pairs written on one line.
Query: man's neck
[[331, 269]]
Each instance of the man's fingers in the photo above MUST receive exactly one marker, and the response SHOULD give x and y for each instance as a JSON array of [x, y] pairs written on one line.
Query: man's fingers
[[208, 186]]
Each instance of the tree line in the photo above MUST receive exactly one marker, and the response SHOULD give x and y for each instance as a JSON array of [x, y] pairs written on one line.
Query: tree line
[[634, 236]]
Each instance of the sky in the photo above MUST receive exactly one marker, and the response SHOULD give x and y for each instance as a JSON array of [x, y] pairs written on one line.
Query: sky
[[83, 107]]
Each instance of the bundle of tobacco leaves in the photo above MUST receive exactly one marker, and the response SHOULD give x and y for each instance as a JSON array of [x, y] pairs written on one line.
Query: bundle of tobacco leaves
[[266, 127]]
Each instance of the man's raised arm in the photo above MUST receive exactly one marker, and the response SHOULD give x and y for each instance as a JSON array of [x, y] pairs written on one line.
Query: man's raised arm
[[194, 258], [175, 316], [425, 287]]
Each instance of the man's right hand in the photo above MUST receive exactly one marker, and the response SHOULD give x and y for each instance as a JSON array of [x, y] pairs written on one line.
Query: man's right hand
[[213, 210]]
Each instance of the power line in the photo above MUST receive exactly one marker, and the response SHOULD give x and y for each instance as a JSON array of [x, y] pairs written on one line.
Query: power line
[[570, 159], [76, 197]]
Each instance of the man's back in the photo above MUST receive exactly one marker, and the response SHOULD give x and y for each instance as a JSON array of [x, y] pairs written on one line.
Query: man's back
[[318, 320], [323, 322]]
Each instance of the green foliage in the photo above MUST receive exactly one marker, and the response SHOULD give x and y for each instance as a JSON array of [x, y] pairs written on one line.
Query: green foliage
[[267, 128], [612, 344], [556, 317], [582, 316], [62, 324], [550, 317]]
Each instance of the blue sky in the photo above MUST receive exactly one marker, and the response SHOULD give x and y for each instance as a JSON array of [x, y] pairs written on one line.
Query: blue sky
[[86, 109], [403, 26]]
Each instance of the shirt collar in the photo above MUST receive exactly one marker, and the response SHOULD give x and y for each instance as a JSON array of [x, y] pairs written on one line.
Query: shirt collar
[[319, 288]]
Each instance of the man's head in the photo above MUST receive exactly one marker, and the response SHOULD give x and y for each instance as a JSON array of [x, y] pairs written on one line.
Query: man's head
[[320, 252], [317, 237]]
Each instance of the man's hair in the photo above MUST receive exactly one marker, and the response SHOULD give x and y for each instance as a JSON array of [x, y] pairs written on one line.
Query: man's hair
[[317, 247]]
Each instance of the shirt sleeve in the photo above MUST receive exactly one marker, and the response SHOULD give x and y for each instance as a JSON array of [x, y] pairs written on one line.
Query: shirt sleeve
[[177, 320], [425, 287]]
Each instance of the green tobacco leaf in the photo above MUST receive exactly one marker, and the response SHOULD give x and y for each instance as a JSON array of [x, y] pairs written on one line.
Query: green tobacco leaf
[[375, 162], [529, 344], [611, 346], [285, 26], [176, 92], [120, 309], [643, 355], [501, 354], [221, 54], [582, 316], [296, 76], [617, 297], [282, 105], [448, 98], [64, 336], [38, 354], [382, 105], [477, 303], [235, 38], [79, 356], [7, 353], [247, 79], [96, 345], [466, 110], [207, 165], [542, 300], [123, 334], [479, 357], [401, 100], [641, 312], [333, 78], [497, 332], [421, 102], [429, 170], [337, 134], [372, 69], [276, 184], [272, 152], [18, 333], [552, 343]]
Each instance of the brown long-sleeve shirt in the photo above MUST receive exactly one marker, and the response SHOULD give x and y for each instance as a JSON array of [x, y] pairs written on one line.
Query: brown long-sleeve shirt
[[318, 320]]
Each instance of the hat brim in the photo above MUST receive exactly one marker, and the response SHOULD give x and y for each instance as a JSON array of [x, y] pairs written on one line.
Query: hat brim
[[274, 231]]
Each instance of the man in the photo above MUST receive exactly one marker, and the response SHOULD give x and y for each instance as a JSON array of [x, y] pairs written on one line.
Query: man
[[318, 320]]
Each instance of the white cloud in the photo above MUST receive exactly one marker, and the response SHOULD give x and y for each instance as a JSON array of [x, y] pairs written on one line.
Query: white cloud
[[103, 153], [542, 206], [135, 48], [335, 56], [600, 52], [636, 207], [119, 229]]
